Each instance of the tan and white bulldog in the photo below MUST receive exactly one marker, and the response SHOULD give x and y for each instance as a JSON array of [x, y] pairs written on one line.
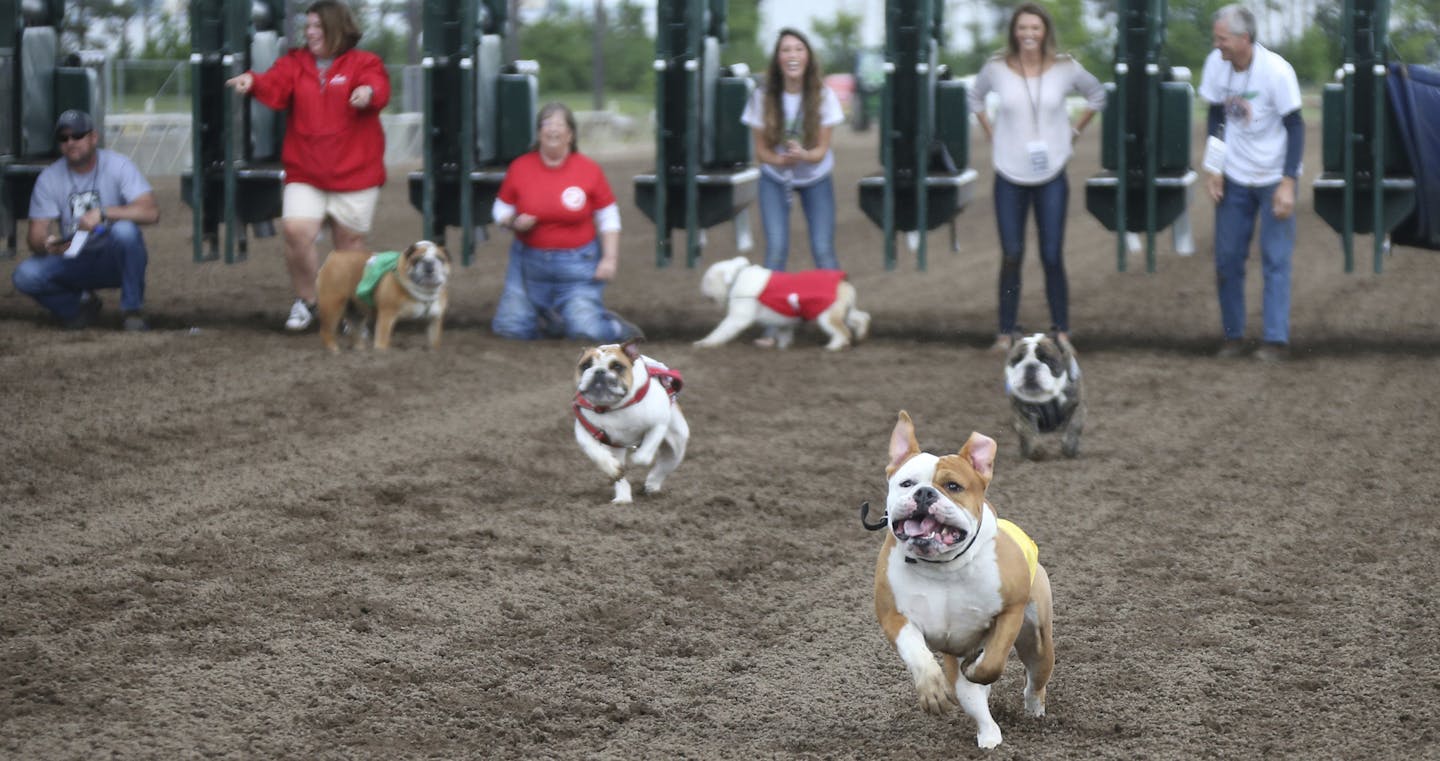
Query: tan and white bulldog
[[625, 406], [754, 295], [954, 579], [414, 288]]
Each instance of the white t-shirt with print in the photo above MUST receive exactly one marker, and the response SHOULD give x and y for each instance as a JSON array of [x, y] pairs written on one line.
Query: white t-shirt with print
[[802, 174], [1256, 101]]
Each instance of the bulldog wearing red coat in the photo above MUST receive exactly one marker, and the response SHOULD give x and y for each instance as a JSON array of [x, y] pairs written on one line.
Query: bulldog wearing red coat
[[754, 295]]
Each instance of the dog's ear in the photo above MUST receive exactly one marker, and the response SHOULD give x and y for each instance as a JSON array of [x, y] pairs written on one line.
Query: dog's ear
[[903, 445], [979, 451], [410, 250], [631, 350]]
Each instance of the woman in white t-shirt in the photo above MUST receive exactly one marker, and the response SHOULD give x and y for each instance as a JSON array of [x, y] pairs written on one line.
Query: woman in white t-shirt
[[791, 117], [1030, 143]]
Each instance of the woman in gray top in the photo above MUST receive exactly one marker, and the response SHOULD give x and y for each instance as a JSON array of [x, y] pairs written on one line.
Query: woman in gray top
[[1031, 142]]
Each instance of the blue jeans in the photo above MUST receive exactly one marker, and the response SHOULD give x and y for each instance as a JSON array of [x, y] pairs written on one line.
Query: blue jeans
[[554, 293], [1234, 227], [818, 202], [113, 259], [1012, 204]]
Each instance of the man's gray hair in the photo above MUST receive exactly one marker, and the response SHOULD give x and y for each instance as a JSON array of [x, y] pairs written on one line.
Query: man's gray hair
[[1238, 19]]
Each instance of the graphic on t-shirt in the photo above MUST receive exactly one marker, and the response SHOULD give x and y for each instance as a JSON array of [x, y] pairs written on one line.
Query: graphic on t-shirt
[[1237, 107], [573, 197], [80, 202]]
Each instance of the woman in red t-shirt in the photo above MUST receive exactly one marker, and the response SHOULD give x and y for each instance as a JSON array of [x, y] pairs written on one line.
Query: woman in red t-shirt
[[334, 151], [567, 240]]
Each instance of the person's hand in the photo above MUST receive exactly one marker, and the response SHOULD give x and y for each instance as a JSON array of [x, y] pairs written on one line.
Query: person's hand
[[89, 220], [360, 96], [606, 269], [796, 151], [522, 223], [54, 244], [1283, 202], [1215, 183], [242, 84]]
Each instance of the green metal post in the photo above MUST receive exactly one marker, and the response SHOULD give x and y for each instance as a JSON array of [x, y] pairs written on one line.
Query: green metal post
[[1347, 229], [662, 165], [197, 158], [467, 53], [1378, 26], [1152, 124], [923, 128], [887, 133], [1122, 169], [431, 166], [694, 37]]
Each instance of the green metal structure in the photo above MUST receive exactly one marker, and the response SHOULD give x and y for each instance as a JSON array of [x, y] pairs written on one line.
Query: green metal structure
[[924, 133], [36, 85], [1365, 184], [1145, 136], [703, 174], [479, 115], [234, 142]]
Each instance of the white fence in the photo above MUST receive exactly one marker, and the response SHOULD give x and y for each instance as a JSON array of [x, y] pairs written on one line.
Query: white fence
[[160, 143]]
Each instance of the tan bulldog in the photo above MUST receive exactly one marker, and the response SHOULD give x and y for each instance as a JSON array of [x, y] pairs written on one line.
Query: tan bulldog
[[414, 289], [953, 578]]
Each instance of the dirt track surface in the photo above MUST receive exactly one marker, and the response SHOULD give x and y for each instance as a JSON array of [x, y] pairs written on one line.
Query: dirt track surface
[[220, 542]]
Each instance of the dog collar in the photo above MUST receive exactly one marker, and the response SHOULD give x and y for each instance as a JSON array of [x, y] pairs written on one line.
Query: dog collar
[[876, 526]]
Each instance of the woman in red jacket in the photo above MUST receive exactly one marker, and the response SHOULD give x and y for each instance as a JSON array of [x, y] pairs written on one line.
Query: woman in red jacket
[[334, 152]]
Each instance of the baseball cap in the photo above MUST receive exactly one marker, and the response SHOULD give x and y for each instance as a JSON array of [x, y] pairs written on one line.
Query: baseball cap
[[76, 121]]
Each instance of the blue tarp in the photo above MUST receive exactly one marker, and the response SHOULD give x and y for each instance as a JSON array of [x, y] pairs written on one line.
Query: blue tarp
[[1415, 99]]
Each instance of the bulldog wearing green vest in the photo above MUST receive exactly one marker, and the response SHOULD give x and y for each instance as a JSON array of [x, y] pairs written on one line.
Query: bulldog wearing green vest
[[380, 289]]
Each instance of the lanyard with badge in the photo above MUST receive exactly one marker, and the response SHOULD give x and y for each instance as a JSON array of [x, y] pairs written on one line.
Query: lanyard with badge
[[1039, 152], [1214, 160]]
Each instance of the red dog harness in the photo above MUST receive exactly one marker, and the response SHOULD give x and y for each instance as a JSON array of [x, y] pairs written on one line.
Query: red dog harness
[[670, 380]]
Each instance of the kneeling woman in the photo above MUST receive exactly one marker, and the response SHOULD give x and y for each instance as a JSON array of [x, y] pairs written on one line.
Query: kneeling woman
[[567, 240]]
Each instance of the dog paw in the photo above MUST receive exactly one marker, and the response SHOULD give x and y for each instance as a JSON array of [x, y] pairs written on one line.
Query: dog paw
[[988, 737], [1035, 706], [935, 695], [1070, 448], [622, 493]]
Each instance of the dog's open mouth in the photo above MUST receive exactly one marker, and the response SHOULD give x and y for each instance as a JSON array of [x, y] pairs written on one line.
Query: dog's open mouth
[[928, 529]]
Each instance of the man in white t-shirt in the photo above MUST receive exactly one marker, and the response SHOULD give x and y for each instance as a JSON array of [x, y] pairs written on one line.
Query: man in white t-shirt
[[1256, 141]]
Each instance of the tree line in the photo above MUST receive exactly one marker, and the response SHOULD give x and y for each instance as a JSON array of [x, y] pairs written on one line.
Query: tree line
[[562, 39]]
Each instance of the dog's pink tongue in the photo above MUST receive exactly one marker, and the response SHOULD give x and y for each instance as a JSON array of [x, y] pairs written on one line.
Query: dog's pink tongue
[[920, 528]]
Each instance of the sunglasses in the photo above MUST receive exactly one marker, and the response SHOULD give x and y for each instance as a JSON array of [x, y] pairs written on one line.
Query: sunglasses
[[67, 138]]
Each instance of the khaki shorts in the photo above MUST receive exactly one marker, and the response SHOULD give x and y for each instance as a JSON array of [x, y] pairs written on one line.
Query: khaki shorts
[[354, 210]]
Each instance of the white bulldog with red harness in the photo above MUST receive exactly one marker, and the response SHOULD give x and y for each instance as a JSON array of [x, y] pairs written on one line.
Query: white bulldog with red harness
[[754, 295], [953, 578], [625, 406]]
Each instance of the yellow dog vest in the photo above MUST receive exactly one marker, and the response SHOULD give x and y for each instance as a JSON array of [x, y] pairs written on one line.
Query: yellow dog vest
[[1027, 545]]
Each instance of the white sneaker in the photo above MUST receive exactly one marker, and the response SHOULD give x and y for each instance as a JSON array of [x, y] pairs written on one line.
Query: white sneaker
[[300, 316]]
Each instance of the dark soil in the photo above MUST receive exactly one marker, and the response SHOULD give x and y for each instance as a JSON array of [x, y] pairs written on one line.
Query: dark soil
[[221, 542]]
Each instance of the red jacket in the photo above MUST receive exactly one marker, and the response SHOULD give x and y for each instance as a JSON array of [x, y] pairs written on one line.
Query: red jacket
[[328, 143], [801, 294]]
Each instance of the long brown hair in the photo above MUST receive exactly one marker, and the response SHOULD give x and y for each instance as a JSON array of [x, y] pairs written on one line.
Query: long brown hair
[[810, 94], [1047, 45], [341, 31]]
